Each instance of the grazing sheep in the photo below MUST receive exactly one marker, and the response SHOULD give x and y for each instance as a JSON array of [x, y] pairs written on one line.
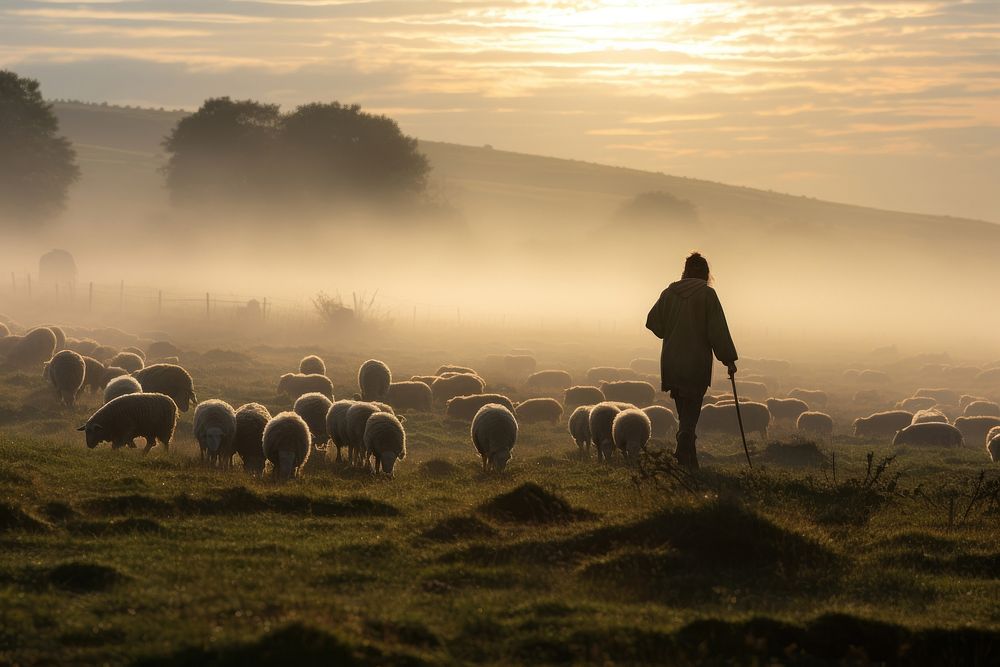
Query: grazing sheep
[[110, 373], [583, 395], [285, 444], [450, 368], [993, 444], [969, 398], [374, 379], [989, 376], [168, 379], [67, 371], [916, 403], [59, 334], [127, 360], [161, 349], [645, 365], [494, 434], [426, 379], [663, 423], [602, 417], [815, 398], [600, 374], [636, 392], [536, 410], [125, 384], [752, 391], [294, 385], [981, 409], [103, 353], [882, 424], [873, 377], [385, 440], [121, 421], [464, 408], [312, 365], [313, 408], [722, 419], [93, 377], [519, 364], [132, 349], [357, 417], [84, 346], [929, 434], [33, 349], [8, 343], [215, 429], [410, 396], [787, 409], [630, 432], [336, 424], [445, 388], [815, 423], [941, 395], [974, 429], [930, 415], [551, 379], [579, 428], [251, 419]]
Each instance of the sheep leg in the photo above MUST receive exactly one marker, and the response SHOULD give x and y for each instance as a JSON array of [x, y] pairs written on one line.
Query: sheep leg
[[150, 443]]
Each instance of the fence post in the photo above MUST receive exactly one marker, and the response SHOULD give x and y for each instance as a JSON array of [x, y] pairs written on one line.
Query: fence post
[[121, 296], [90, 297], [208, 306], [159, 303]]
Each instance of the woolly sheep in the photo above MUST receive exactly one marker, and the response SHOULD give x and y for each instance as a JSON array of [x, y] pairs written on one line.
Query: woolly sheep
[[752, 391], [930, 415], [815, 423], [125, 384], [294, 385], [8, 343], [450, 368], [312, 365], [941, 395], [59, 334], [464, 408], [929, 434], [583, 395], [600, 374], [136, 351], [313, 408], [882, 424], [336, 424], [161, 349], [410, 395], [916, 403], [357, 417], [786, 408], [981, 409], [251, 419], [121, 421], [67, 371], [103, 353], [214, 429], [636, 392], [426, 379], [974, 429], [519, 364], [494, 434], [445, 388], [969, 398], [374, 379], [84, 346], [550, 379], [127, 360], [285, 444], [538, 410], [815, 398], [33, 349], [168, 379], [630, 432], [110, 373], [602, 417], [722, 419], [645, 365], [663, 423], [993, 444], [385, 441], [579, 428], [93, 377]]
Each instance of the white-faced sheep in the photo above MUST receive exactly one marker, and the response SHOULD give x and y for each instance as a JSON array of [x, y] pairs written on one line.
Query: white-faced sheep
[[882, 424], [294, 385], [815, 423], [993, 444], [374, 379], [941, 395], [630, 432], [550, 379], [663, 423], [385, 441], [67, 371], [445, 388], [928, 416], [251, 419], [974, 429], [120, 386], [981, 409], [929, 434], [464, 408], [636, 392], [815, 398], [215, 429], [786, 409], [33, 349], [312, 365], [536, 410], [127, 360], [285, 444], [583, 395], [916, 403], [121, 421], [336, 424], [357, 417], [410, 395], [451, 368], [168, 379], [494, 434], [602, 418], [93, 377], [313, 408], [579, 428]]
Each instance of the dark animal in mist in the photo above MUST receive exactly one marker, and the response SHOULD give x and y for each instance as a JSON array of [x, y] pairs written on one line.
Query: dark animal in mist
[[636, 392], [929, 434], [215, 430], [494, 434], [374, 379], [168, 379], [410, 395], [285, 444], [536, 410], [384, 441], [67, 371], [121, 421], [882, 424], [294, 385], [251, 419], [313, 408], [465, 408], [582, 395]]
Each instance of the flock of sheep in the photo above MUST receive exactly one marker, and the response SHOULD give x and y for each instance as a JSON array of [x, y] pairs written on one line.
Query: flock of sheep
[[617, 413]]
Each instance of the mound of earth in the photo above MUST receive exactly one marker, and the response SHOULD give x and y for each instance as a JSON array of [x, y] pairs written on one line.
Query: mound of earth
[[79, 577], [796, 454], [530, 503]]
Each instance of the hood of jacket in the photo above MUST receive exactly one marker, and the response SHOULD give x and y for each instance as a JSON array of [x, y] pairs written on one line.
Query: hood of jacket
[[687, 287]]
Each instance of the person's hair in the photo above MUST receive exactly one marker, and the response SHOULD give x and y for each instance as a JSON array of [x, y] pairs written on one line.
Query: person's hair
[[696, 266]]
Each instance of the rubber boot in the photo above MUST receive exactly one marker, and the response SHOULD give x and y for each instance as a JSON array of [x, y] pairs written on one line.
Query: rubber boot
[[686, 453]]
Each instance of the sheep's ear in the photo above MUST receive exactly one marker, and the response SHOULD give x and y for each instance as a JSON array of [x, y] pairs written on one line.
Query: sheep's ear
[[402, 419], [82, 428]]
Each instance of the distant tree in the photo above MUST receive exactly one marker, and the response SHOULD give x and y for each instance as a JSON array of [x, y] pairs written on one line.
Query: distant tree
[[225, 149], [658, 207], [37, 166]]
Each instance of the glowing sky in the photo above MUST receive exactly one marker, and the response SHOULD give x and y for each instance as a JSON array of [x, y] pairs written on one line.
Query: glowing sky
[[880, 102]]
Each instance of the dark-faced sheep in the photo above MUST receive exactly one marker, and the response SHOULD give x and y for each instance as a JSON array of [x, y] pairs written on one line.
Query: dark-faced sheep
[[928, 416], [312, 365], [993, 444], [722, 419], [630, 431], [120, 386], [121, 421], [336, 424], [294, 385], [67, 371], [410, 396], [33, 349], [579, 428], [445, 388], [384, 441], [251, 418], [374, 379], [882, 424], [663, 423], [313, 408], [168, 379], [464, 408], [550, 379], [981, 409], [815, 398], [974, 429], [583, 395], [815, 423], [285, 444], [786, 409], [215, 430], [536, 410], [602, 418], [636, 392], [127, 360], [494, 434], [929, 434]]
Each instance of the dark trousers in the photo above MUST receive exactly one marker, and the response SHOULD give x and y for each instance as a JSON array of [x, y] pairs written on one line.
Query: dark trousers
[[688, 412]]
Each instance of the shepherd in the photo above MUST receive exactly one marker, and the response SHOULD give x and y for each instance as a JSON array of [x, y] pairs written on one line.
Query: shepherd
[[689, 318]]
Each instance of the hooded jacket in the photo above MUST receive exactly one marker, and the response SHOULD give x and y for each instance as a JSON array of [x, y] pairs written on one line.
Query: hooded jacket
[[689, 318]]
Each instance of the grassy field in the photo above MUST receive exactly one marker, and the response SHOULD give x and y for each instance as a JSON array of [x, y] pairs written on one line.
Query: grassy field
[[108, 557]]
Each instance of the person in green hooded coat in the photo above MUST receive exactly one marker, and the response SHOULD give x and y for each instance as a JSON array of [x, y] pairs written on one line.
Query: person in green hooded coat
[[689, 318]]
